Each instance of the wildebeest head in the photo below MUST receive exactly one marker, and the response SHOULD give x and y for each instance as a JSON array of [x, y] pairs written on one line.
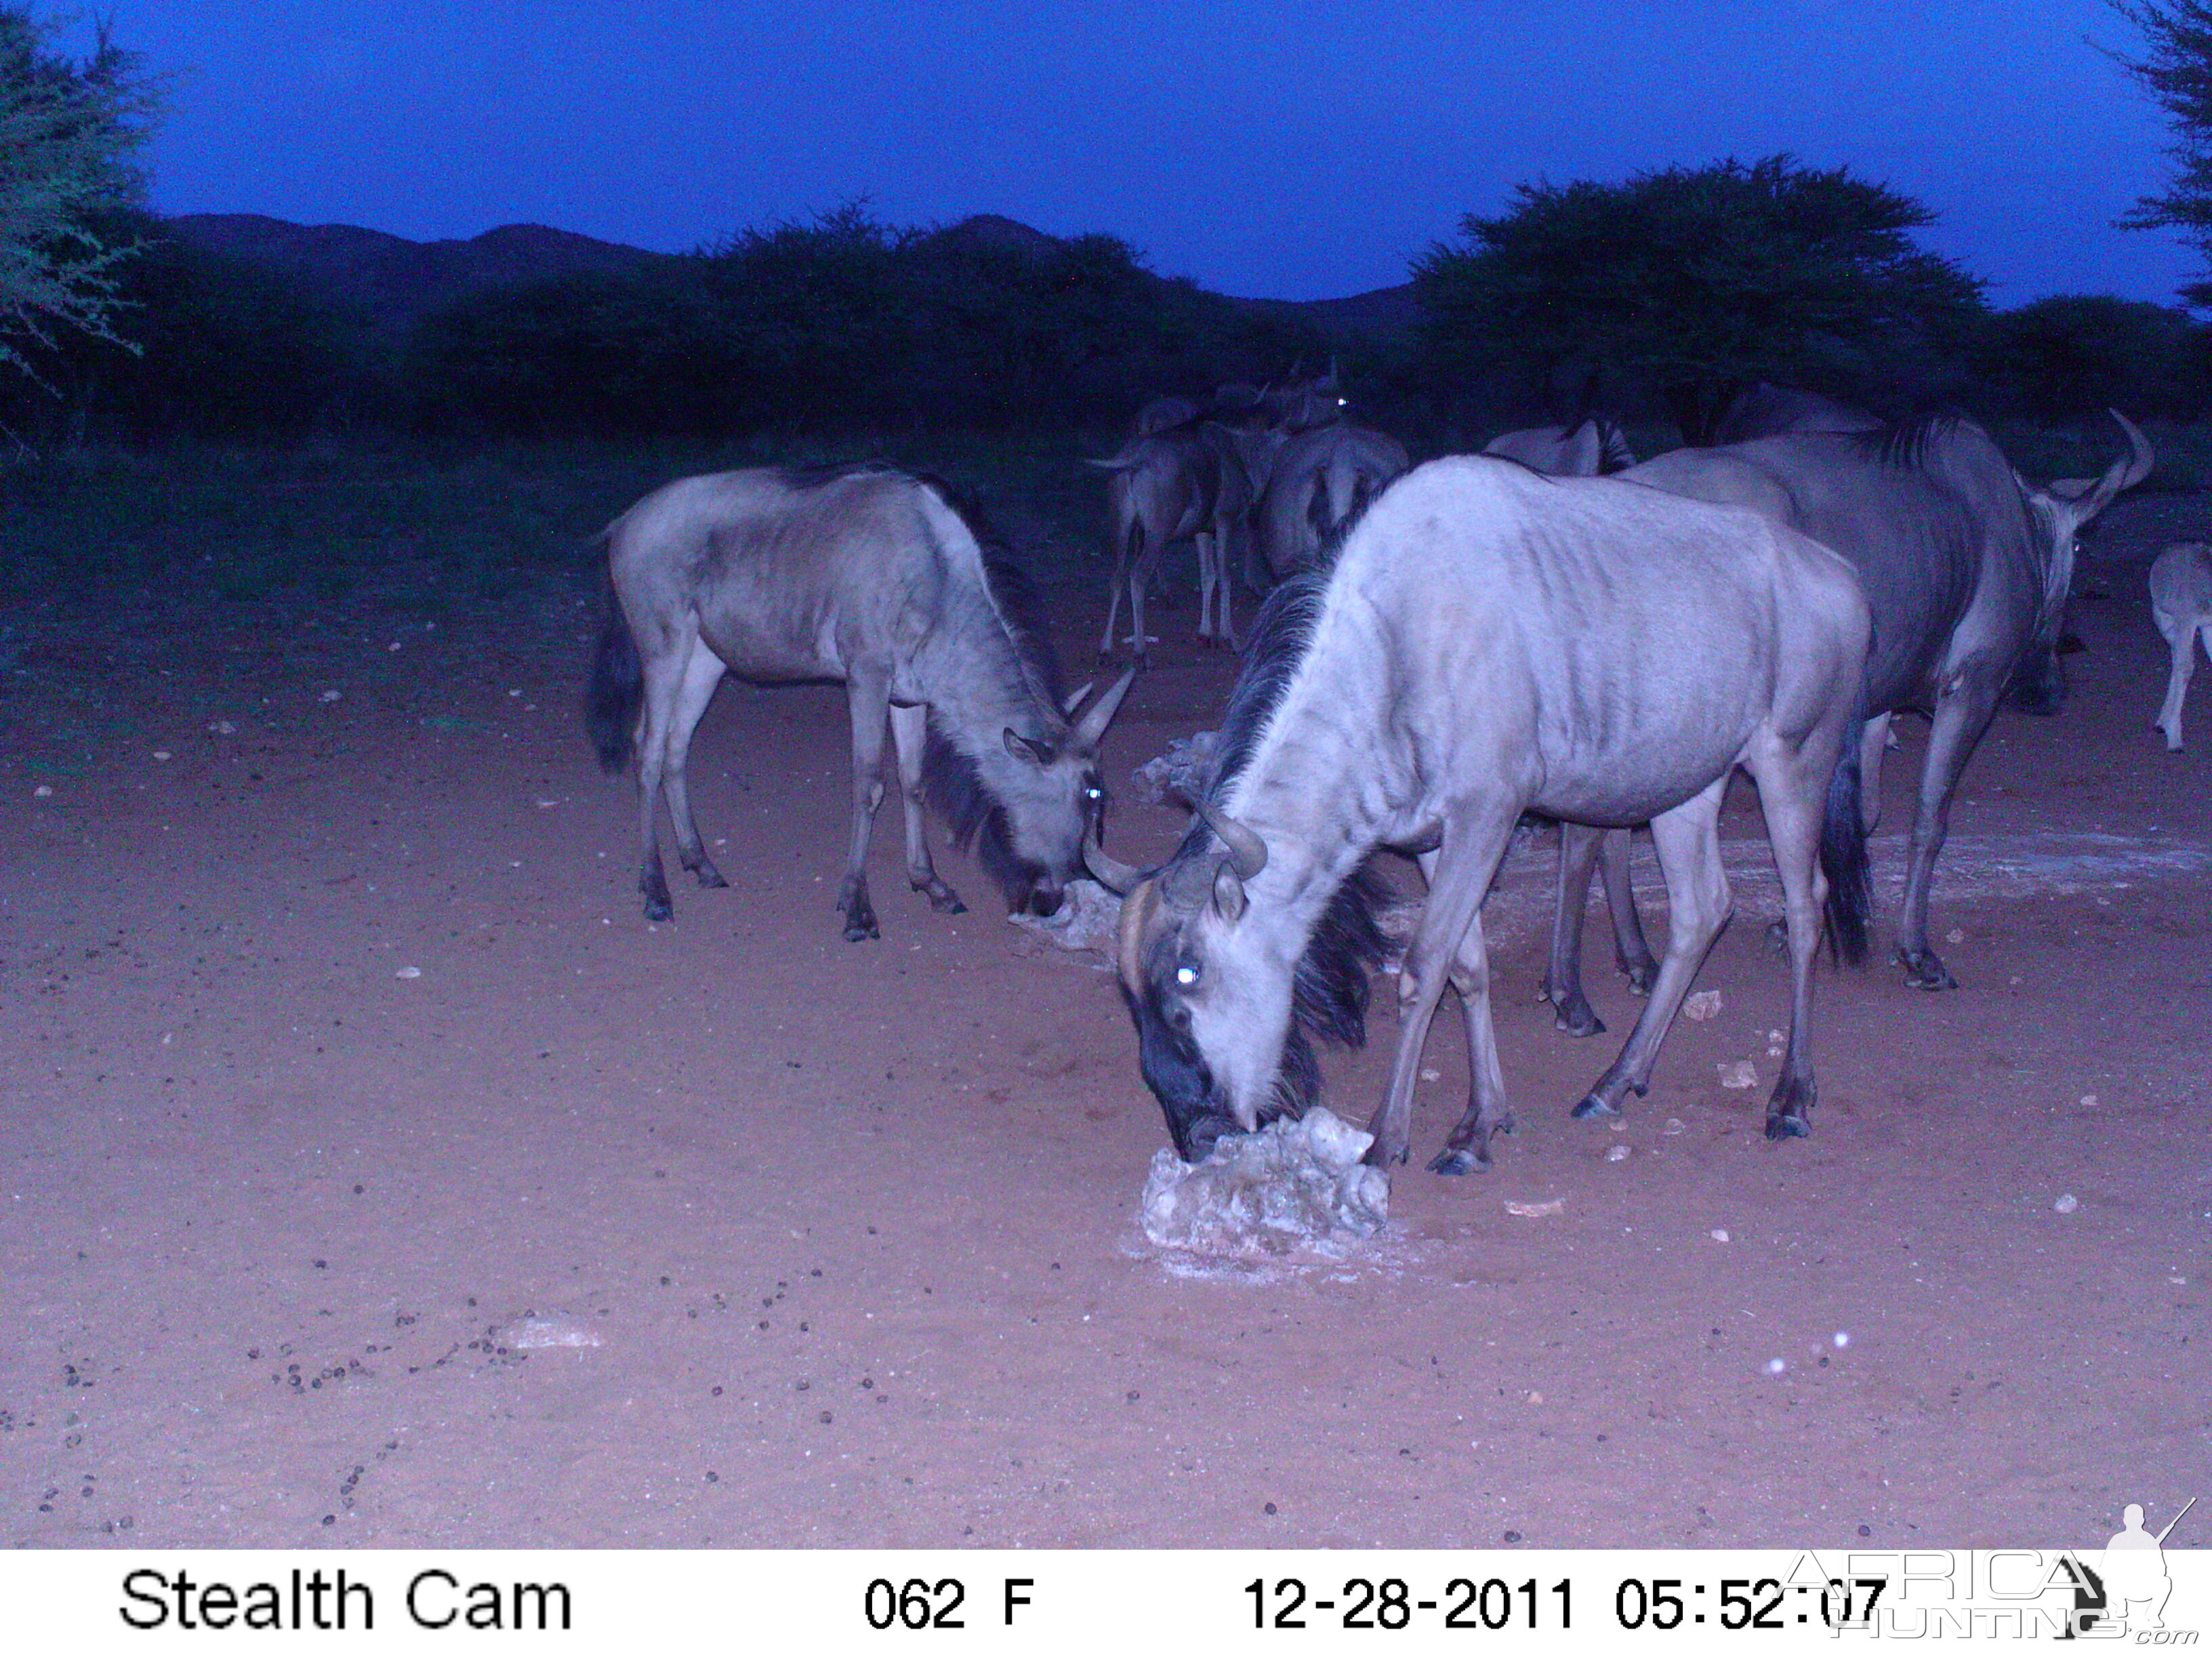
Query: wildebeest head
[[1208, 984], [1048, 801], [2058, 515]]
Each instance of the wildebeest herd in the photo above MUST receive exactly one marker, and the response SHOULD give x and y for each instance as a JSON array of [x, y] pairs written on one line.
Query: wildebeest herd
[[1548, 628]]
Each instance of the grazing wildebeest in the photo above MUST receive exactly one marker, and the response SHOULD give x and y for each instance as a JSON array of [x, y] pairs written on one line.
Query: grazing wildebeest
[[1591, 447], [1476, 654], [2181, 602], [881, 580], [1319, 481], [1966, 569]]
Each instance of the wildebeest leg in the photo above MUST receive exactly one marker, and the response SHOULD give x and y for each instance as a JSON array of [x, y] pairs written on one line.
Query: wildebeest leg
[[1459, 875], [1468, 1148], [1688, 841], [1874, 744], [664, 670], [1962, 713], [910, 733], [701, 675], [1579, 845], [2181, 634], [1207, 561], [1791, 795], [1632, 951], [868, 698]]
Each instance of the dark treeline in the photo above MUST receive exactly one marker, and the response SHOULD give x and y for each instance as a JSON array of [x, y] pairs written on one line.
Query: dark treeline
[[846, 327]]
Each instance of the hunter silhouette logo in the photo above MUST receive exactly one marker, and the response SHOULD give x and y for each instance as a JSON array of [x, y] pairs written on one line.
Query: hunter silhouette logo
[[2136, 1581]]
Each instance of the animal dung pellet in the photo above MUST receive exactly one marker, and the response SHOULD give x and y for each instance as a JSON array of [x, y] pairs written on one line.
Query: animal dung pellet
[[1298, 1181], [2067, 1204], [1738, 1074], [1547, 1207], [408, 973], [1701, 1005], [1616, 1153]]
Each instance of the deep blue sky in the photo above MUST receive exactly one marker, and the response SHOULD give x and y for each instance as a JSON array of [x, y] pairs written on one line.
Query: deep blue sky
[[1298, 150]]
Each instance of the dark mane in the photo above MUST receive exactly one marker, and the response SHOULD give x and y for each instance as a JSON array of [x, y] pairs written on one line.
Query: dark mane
[[1329, 987], [1272, 651], [977, 819], [1909, 442]]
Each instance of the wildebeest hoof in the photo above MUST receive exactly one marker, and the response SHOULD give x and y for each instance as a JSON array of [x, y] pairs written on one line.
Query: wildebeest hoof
[[1576, 1018], [1925, 971], [1641, 978], [942, 899], [709, 876], [1382, 1157], [860, 922], [659, 910], [1787, 1128], [1459, 1161], [1592, 1106], [1777, 937]]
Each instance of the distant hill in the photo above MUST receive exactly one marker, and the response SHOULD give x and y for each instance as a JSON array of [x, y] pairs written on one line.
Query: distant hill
[[395, 281]]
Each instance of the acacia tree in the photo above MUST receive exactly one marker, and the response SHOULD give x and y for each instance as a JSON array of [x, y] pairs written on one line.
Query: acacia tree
[[1689, 282], [2176, 67], [70, 134]]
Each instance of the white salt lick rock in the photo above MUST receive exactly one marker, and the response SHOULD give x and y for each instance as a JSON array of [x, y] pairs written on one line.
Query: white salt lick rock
[[1295, 1182]]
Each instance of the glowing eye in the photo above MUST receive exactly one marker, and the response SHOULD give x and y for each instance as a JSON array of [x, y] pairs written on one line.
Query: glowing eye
[[1186, 975], [1094, 793]]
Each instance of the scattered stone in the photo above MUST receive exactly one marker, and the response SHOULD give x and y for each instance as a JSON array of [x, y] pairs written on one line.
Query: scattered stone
[[332, 695], [1719, 1234], [161, 754], [1956, 936], [1182, 773], [1297, 1182], [408, 973], [1616, 1154], [547, 1333], [1548, 1207], [1673, 1125], [1701, 1005], [2067, 1204], [2089, 1100], [1842, 1339], [42, 791], [223, 729], [1738, 1074], [1776, 1367], [1088, 919]]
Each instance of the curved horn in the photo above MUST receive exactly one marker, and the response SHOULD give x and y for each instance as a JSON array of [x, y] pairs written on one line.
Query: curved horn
[[1115, 877], [2141, 457], [1092, 726], [2131, 468], [1246, 850]]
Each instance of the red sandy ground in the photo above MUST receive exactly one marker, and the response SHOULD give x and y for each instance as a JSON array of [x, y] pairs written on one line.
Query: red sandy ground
[[852, 1224]]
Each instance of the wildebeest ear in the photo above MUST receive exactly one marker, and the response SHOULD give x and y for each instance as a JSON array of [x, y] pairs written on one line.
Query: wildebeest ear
[[1028, 749], [1228, 891]]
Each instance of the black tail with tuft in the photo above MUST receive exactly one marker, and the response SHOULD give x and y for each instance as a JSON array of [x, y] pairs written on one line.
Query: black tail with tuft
[[1844, 856], [617, 689]]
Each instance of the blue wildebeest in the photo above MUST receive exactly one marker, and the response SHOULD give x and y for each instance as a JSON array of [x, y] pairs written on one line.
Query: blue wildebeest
[[1161, 488], [881, 580], [1319, 481], [1966, 569], [2181, 603], [1492, 642], [1591, 447]]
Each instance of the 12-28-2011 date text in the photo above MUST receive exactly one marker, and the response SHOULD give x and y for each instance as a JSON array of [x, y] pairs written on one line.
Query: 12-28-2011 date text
[[1393, 1604]]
